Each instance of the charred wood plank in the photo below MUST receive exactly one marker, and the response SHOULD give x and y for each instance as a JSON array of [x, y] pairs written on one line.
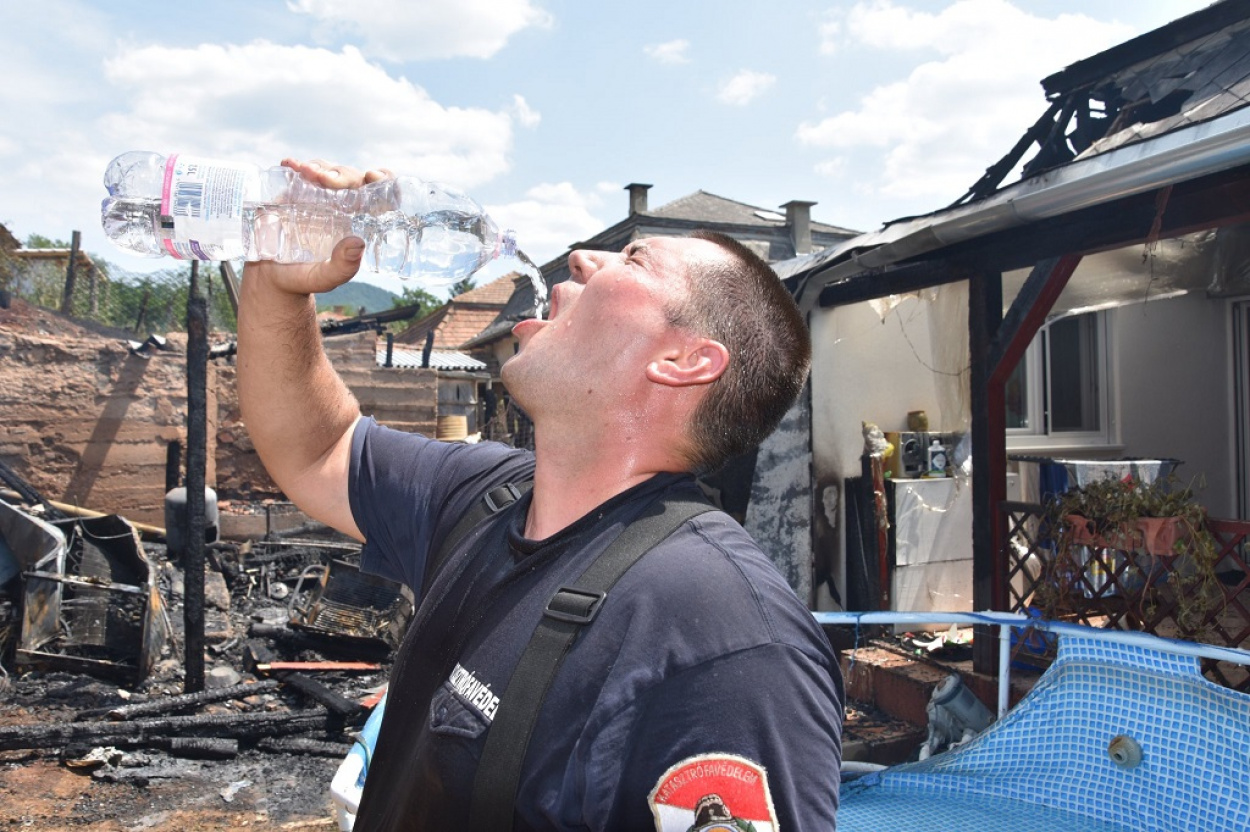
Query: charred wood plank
[[248, 727], [301, 745], [204, 748], [197, 443], [320, 693], [170, 704]]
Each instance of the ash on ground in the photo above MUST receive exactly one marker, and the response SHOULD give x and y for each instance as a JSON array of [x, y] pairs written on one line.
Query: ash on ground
[[79, 750]]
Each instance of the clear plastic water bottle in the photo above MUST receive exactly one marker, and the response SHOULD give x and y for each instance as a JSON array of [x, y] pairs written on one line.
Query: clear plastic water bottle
[[206, 209]]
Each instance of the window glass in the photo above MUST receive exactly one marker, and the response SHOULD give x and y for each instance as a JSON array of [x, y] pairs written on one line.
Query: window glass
[[1073, 361], [1059, 386]]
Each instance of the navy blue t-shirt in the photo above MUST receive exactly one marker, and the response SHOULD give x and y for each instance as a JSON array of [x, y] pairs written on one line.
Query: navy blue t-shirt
[[703, 691]]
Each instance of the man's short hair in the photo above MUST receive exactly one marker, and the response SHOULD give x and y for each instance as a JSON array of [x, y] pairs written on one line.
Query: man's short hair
[[741, 303]]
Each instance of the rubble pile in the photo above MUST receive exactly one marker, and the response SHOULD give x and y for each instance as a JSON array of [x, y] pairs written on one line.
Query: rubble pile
[[298, 644]]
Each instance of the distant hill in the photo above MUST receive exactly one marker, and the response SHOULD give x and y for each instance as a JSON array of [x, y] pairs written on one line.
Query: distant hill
[[354, 295]]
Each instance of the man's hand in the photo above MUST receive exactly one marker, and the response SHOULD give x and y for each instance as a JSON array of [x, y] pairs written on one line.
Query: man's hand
[[335, 176], [344, 262]]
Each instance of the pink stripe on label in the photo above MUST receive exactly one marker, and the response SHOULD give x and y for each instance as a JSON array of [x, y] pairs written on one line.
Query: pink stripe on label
[[166, 188]]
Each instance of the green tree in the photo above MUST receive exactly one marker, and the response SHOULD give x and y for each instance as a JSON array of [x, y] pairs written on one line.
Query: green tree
[[461, 286], [413, 296], [40, 241]]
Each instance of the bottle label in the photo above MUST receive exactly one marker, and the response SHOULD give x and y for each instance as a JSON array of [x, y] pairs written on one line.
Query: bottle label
[[202, 207]]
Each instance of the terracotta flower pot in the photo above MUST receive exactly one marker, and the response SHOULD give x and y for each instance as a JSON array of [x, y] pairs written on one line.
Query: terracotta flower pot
[[1155, 535]]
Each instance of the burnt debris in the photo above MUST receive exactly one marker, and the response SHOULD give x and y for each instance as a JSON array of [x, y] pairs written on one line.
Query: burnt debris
[[297, 639]]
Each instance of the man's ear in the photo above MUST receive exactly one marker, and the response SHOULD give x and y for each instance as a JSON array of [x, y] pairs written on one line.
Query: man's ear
[[699, 362]]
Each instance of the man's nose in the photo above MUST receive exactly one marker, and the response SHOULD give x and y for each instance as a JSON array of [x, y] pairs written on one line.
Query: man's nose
[[583, 263]]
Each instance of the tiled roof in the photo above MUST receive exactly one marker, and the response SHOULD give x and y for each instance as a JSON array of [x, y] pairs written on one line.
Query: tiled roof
[[461, 324], [463, 317], [415, 334], [496, 292], [1194, 82], [710, 208]]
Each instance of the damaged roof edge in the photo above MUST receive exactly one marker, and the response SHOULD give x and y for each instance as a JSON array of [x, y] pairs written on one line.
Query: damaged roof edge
[[1201, 149], [1179, 32]]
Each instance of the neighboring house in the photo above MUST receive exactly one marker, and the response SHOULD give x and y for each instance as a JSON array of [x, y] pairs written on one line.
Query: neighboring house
[[463, 318], [460, 378], [464, 378], [774, 236], [1098, 308]]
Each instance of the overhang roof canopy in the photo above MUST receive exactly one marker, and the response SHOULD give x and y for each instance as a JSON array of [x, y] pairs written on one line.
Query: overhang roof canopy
[[1162, 109]]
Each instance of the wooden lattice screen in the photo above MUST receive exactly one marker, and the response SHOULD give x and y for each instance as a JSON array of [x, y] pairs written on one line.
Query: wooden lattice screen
[[1106, 586]]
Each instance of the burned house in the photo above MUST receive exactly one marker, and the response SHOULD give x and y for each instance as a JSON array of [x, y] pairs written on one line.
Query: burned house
[[1093, 310]]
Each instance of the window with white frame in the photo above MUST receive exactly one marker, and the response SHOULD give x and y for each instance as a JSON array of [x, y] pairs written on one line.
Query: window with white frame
[[1059, 392]]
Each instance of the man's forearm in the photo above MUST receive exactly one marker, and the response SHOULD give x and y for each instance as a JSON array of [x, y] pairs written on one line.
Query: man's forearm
[[294, 404]]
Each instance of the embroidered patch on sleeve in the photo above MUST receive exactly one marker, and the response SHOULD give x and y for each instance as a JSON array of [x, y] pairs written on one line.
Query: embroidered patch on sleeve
[[713, 793]]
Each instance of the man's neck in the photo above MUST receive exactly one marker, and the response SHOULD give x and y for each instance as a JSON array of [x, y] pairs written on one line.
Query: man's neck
[[570, 481]]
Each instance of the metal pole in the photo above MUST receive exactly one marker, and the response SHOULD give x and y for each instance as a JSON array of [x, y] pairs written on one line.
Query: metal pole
[[1004, 669]]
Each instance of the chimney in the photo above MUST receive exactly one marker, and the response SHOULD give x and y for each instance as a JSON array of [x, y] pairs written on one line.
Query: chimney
[[799, 221], [637, 198]]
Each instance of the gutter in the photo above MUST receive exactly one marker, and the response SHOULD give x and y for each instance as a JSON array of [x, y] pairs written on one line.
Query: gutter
[[1209, 147]]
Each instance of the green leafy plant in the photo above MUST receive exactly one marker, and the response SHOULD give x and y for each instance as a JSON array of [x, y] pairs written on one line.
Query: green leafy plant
[[1107, 532]]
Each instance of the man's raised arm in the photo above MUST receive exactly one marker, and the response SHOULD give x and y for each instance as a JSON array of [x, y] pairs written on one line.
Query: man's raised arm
[[299, 413]]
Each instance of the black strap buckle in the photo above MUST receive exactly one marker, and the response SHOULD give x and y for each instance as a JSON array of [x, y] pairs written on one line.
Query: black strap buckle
[[497, 499], [576, 606]]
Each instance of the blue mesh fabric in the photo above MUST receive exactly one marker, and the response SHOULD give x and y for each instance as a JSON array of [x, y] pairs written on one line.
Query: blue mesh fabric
[[1046, 764]]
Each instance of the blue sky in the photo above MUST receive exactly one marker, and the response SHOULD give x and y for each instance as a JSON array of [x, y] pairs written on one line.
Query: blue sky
[[544, 110]]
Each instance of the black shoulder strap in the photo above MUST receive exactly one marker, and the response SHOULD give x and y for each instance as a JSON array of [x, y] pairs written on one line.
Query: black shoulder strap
[[492, 502], [571, 608]]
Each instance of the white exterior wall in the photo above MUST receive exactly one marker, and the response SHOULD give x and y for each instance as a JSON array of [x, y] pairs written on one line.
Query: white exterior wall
[[869, 369], [1175, 389], [1171, 382]]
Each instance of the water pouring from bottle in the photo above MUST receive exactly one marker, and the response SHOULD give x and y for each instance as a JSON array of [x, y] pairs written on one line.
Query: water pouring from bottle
[[535, 276]]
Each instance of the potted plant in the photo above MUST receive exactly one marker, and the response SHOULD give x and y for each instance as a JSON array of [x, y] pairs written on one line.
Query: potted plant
[[1134, 541]]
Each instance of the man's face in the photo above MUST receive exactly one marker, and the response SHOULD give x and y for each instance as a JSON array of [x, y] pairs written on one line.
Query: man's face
[[607, 322]]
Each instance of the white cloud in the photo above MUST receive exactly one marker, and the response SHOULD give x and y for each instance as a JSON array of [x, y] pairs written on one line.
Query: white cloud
[[255, 103], [261, 101], [832, 168], [671, 52], [525, 115], [965, 106], [400, 30], [745, 87], [830, 31], [550, 217]]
